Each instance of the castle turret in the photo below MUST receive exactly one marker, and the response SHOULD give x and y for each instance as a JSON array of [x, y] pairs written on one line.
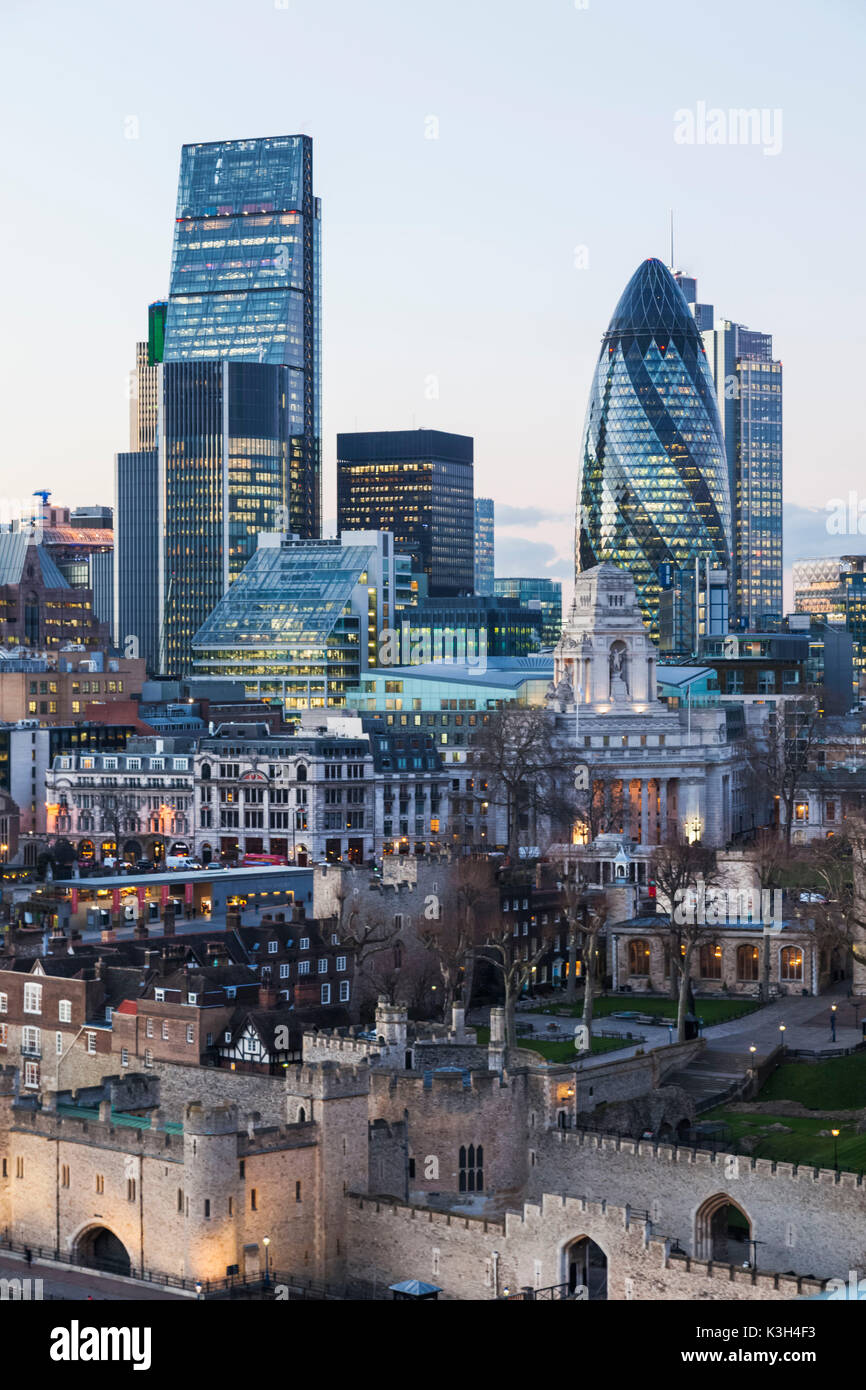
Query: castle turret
[[210, 1184]]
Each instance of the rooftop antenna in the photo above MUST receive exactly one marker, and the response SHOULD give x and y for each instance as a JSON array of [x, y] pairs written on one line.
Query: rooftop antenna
[[672, 240]]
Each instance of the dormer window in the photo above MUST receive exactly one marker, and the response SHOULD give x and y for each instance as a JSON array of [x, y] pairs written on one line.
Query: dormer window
[[192, 998], [272, 947]]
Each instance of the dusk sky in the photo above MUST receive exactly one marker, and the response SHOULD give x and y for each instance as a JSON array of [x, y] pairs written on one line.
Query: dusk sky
[[456, 292]]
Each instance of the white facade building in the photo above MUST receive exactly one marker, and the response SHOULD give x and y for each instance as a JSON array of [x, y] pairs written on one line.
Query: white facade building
[[649, 772]]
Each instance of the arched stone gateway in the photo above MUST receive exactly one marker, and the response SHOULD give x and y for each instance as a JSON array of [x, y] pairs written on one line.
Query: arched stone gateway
[[99, 1246], [586, 1269], [723, 1231]]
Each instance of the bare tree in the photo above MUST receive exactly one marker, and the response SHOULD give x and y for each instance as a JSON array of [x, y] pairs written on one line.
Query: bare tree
[[454, 932], [680, 868], [515, 960], [585, 914], [524, 766], [781, 760], [366, 931], [771, 857]]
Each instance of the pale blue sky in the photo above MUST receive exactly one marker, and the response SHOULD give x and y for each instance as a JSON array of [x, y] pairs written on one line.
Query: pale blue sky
[[451, 258]]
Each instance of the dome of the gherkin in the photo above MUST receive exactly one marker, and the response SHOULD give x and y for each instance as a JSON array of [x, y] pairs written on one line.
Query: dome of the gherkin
[[653, 482]]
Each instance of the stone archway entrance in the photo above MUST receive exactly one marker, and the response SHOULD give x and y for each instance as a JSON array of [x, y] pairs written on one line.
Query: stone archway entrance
[[586, 1268], [723, 1231], [101, 1247]]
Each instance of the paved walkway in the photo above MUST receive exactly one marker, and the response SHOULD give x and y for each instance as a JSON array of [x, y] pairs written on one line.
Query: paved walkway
[[727, 1056], [81, 1284]]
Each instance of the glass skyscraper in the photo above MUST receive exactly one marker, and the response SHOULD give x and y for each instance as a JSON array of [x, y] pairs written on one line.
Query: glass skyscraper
[[485, 545], [237, 349], [418, 484], [749, 390], [653, 487]]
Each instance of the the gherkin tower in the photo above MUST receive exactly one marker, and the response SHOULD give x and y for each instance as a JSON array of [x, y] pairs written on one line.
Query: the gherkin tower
[[653, 479]]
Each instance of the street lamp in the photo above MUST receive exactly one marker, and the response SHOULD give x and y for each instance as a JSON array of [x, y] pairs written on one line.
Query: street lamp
[[782, 1035], [833, 1022], [266, 1242], [835, 1134]]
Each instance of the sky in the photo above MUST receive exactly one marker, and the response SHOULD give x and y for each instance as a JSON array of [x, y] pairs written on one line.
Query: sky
[[491, 174]]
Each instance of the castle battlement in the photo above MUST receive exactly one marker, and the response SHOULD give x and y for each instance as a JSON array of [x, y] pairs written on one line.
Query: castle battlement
[[207, 1119], [101, 1134], [407, 1211], [326, 1080], [703, 1158], [437, 1086]]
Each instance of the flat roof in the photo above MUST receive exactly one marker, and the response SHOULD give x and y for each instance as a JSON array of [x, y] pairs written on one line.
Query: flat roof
[[179, 876]]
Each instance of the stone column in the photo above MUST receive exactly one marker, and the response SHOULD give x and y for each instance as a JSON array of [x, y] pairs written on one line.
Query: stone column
[[644, 812], [663, 809]]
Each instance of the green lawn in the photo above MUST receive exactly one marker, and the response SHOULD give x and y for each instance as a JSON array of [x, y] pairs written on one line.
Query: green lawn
[[559, 1049], [710, 1010], [837, 1084], [801, 1144]]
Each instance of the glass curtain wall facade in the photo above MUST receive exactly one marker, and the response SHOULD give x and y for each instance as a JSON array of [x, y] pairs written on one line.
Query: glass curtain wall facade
[[749, 390], [240, 407], [137, 547], [653, 481], [835, 589], [302, 621], [418, 484], [545, 594], [485, 550]]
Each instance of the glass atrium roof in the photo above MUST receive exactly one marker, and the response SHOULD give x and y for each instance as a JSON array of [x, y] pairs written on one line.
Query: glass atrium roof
[[286, 597]]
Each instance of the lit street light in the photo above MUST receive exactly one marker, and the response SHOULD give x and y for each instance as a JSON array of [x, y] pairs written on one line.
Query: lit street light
[[266, 1242], [835, 1134]]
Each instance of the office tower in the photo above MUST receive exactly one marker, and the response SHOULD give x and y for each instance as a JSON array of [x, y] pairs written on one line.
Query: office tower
[[835, 589], [693, 605], [417, 484], [233, 359], [540, 593], [653, 482], [485, 567], [138, 556], [748, 384], [303, 619]]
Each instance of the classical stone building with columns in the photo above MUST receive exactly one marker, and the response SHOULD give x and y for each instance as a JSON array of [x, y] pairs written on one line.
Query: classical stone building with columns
[[648, 771]]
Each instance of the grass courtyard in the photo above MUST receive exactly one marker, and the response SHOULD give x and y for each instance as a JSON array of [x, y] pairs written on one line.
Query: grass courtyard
[[560, 1049], [837, 1086], [710, 1010]]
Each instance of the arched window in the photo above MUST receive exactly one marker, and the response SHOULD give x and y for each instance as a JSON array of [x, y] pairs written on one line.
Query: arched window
[[792, 963], [205, 772], [638, 957], [748, 963], [302, 773], [471, 1168], [711, 961]]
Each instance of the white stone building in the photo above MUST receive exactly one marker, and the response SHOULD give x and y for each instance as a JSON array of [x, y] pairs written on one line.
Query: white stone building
[[129, 804], [647, 771], [329, 792]]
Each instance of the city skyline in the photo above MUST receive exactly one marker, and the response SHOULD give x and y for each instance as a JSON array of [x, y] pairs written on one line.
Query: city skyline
[[570, 259]]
